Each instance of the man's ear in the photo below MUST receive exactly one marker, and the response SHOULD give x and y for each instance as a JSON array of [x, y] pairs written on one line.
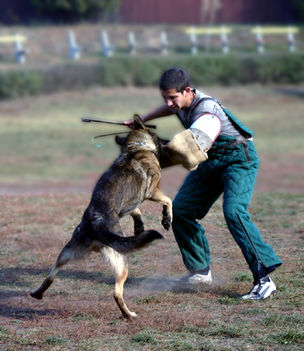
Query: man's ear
[[187, 90], [138, 123]]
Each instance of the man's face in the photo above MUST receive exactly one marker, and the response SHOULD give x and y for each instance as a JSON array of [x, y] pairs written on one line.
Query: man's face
[[177, 100]]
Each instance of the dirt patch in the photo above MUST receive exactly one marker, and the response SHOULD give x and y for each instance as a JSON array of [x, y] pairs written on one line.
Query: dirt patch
[[284, 176], [79, 313]]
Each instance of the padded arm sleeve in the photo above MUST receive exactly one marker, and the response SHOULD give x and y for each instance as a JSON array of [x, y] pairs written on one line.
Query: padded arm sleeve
[[189, 148], [207, 125], [184, 149]]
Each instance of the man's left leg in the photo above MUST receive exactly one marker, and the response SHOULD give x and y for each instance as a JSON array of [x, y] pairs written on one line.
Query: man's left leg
[[194, 199], [238, 181]]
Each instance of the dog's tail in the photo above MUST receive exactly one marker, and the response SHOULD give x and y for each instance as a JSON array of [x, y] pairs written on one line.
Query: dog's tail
[[125, 245]]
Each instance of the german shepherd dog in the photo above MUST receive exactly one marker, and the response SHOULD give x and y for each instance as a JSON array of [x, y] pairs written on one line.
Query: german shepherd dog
[[132, 178]]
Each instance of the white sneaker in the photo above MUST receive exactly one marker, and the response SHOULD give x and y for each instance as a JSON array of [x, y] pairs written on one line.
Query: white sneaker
[[263, 289], [196, 278]]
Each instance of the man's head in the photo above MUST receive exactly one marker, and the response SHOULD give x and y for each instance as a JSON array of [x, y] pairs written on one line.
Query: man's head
[[175, 88], [174, 78]]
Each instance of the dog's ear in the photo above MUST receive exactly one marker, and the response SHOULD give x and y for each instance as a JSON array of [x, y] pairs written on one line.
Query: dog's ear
[[138, 123], [120, 140]]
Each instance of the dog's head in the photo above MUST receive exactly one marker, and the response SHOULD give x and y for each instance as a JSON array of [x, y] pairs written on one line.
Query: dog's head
[[139, 139]]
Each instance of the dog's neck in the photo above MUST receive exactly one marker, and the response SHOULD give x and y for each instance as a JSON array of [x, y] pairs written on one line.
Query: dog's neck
[[136, 146]]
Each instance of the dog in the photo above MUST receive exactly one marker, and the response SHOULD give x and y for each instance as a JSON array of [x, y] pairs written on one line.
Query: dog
[[132, 178]]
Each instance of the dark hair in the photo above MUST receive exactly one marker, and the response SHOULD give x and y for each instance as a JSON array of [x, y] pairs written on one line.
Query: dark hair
[[174, 78]]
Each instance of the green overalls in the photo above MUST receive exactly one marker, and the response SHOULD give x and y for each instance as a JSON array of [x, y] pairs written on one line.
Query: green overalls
[[231, 170]]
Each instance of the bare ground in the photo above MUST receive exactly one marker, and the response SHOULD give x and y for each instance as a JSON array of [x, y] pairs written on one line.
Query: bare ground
[[78, 311], [284, 176]]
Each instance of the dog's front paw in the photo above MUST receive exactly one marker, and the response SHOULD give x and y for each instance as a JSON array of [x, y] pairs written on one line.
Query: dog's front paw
[[166, 223], [36, 294]]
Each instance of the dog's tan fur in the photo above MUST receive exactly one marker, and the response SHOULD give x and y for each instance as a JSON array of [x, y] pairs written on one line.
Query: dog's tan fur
[[132, 178]]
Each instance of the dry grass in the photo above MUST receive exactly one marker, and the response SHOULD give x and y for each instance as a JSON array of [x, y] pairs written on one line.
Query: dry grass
[[43, 140], [47, 152], [79, 313]]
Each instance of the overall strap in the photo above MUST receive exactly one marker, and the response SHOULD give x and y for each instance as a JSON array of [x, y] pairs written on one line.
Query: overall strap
[[193, 107], [201, 100], [243, 130], [236, 141]]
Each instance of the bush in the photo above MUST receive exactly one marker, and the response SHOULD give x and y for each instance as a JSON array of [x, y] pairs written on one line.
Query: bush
[[71, 10], [145, 71], [19, 83], [70, 77]]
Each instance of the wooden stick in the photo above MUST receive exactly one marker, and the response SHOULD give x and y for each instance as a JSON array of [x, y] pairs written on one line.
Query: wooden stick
[[88, 120]]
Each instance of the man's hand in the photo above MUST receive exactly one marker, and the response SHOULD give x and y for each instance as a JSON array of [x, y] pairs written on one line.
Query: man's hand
[[129, 123]]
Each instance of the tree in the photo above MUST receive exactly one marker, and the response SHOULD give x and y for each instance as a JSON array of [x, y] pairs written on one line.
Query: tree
[[298, 6], [75, 10]]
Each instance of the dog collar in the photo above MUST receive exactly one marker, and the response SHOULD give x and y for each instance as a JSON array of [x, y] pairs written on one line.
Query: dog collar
[[141, 143]]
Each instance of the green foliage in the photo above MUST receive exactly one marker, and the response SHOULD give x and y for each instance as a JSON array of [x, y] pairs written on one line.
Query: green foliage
[[207, 69], [145, 337], [281, 69], [18, 83], [289, 337], [55, 340], [71, 10], [242, 277], [298, 5], [224, 329], [145, 73], [210, 69]]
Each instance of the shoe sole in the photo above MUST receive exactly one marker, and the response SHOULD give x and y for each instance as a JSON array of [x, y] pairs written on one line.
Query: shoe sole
[[272, 294]]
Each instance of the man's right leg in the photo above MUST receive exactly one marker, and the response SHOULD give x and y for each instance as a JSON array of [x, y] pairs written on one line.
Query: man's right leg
[[196, 196]]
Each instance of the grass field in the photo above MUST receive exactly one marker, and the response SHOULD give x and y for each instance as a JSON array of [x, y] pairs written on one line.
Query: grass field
[[42, 139], [48, 166]]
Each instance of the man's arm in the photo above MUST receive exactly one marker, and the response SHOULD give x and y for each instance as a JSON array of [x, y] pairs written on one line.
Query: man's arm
[[161, 111]]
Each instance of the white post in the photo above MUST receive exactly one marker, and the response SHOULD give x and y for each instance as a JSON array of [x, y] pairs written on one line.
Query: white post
[[291, 41], [132, 43], [20, 52], [259, 40], [74, 49], [164, 43], [193, 41], [105, 44], [224, 41]]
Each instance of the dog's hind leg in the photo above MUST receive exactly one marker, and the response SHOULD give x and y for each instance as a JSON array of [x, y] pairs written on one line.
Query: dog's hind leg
[[138, 221], [72, 250], [158, 196], [120, 268]]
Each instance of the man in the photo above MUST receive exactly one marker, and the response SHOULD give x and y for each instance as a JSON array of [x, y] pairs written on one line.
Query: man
[[229, 169]]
